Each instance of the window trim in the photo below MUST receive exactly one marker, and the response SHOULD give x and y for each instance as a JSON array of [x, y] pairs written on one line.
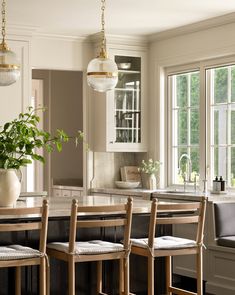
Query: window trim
[[205, 117]]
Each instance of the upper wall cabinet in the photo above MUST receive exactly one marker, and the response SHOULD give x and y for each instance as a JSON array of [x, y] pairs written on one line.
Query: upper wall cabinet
[[120, 124]]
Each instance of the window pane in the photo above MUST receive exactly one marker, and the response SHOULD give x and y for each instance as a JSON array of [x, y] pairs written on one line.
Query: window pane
[[233, 166], [220, 124], [185, 118], [220, 162], [182, 90], [195, 161], [195, 89], [233, 84], [182, 165], [233, 124], [194, 127], [182, 127], [221, 85]]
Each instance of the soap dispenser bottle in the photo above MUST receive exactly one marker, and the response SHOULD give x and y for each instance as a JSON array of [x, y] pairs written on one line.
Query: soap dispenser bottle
[[216, 185], [222, 184]]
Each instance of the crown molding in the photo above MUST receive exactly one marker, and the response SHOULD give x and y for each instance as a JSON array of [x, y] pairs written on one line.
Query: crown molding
[[34, 31], [60, 37], [23, 30], [120, 39], [191, 28]]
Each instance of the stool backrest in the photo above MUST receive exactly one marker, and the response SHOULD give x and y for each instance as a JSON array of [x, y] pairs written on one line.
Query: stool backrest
[[26, 219], [121, 216], [177, 213]]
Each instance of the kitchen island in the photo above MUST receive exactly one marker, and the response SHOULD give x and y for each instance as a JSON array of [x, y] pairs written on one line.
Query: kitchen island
[[58, 230]]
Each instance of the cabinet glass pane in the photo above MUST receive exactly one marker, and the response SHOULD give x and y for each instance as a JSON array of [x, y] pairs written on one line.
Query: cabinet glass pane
[[127, 95]]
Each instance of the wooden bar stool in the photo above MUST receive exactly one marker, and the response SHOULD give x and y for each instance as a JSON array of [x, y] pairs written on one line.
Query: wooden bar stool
[[19, 255], [97, 250], [168, 246]]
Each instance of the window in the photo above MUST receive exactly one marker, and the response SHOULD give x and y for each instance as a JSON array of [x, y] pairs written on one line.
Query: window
[[221, 97], [184, 109], [201, 138]]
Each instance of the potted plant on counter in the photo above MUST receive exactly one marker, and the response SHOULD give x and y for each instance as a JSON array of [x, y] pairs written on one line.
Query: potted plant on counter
[[150, 168], [19, 141]]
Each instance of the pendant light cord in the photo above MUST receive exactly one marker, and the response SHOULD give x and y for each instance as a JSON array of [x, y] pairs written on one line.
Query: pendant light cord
[[3, 21], [3, 44], [103, 53]]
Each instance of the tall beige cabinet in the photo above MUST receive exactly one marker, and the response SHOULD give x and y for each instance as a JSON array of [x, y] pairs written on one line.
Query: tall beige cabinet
[[63, 99], [120, 115]]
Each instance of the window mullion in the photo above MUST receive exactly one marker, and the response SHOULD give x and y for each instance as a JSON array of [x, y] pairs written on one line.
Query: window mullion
[[229, 126], [189, 115]]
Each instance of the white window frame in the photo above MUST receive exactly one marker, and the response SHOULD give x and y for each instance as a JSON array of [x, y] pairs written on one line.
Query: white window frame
[[205, 118], [228, 104]]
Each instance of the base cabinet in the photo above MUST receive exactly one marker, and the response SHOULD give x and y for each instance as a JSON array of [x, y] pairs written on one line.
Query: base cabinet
[[221, 272], [63, 191], [187, 265]]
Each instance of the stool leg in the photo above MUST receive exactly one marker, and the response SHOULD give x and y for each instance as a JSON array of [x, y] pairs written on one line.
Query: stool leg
[[42, 279], [71, 275], [199, 272], [121, 277], [150, 275], [17, 280], [126, 276], [168, 275], [99, 277], [48, 277]]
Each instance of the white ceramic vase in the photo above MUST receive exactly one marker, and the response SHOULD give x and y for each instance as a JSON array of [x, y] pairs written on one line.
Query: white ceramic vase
[[152, 182], [9, 187]]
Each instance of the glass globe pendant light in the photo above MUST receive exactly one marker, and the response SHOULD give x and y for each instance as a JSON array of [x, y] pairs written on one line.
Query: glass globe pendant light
[[102, 72], [9, 66]]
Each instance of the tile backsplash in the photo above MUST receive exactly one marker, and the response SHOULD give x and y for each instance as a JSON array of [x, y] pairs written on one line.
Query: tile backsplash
[[107, 167]]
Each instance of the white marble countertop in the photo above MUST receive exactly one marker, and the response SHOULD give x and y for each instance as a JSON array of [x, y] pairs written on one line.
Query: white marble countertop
[[166, 194], [193, 196], [137, 192], [61, 206]]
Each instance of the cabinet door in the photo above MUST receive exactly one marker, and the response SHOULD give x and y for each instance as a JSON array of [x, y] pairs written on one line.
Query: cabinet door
[[66, 193], [75, 193], [57, 192], [126, 105]]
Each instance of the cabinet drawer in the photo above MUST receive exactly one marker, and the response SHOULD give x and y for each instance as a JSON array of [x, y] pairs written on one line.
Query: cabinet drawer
[[57, 192], [75, 193], [66, 193]]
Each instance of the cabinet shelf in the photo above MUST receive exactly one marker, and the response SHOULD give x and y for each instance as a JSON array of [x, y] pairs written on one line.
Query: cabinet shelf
[[127, 89], [128, 72], [127, 128]]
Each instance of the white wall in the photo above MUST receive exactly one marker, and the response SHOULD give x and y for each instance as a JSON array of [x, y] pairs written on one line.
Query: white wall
[[15, 98], [62, 53]]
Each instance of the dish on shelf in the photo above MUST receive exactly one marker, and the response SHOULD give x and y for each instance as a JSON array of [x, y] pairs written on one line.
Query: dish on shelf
[[127, 184], [219, 192], [124, 65]]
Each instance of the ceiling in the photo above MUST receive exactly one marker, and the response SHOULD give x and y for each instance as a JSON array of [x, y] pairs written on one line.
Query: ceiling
[[128, 17]]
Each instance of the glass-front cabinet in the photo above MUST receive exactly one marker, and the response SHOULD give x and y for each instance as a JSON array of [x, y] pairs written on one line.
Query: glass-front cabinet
[[126, 105], [127, 100], [119, 114]]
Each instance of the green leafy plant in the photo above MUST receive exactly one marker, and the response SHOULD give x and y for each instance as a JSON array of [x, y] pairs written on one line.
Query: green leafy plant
[[20, 139], [149, 166]]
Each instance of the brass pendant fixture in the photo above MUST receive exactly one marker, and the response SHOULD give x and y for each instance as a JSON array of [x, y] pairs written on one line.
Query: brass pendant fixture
[[102, 72], [9, 66]]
